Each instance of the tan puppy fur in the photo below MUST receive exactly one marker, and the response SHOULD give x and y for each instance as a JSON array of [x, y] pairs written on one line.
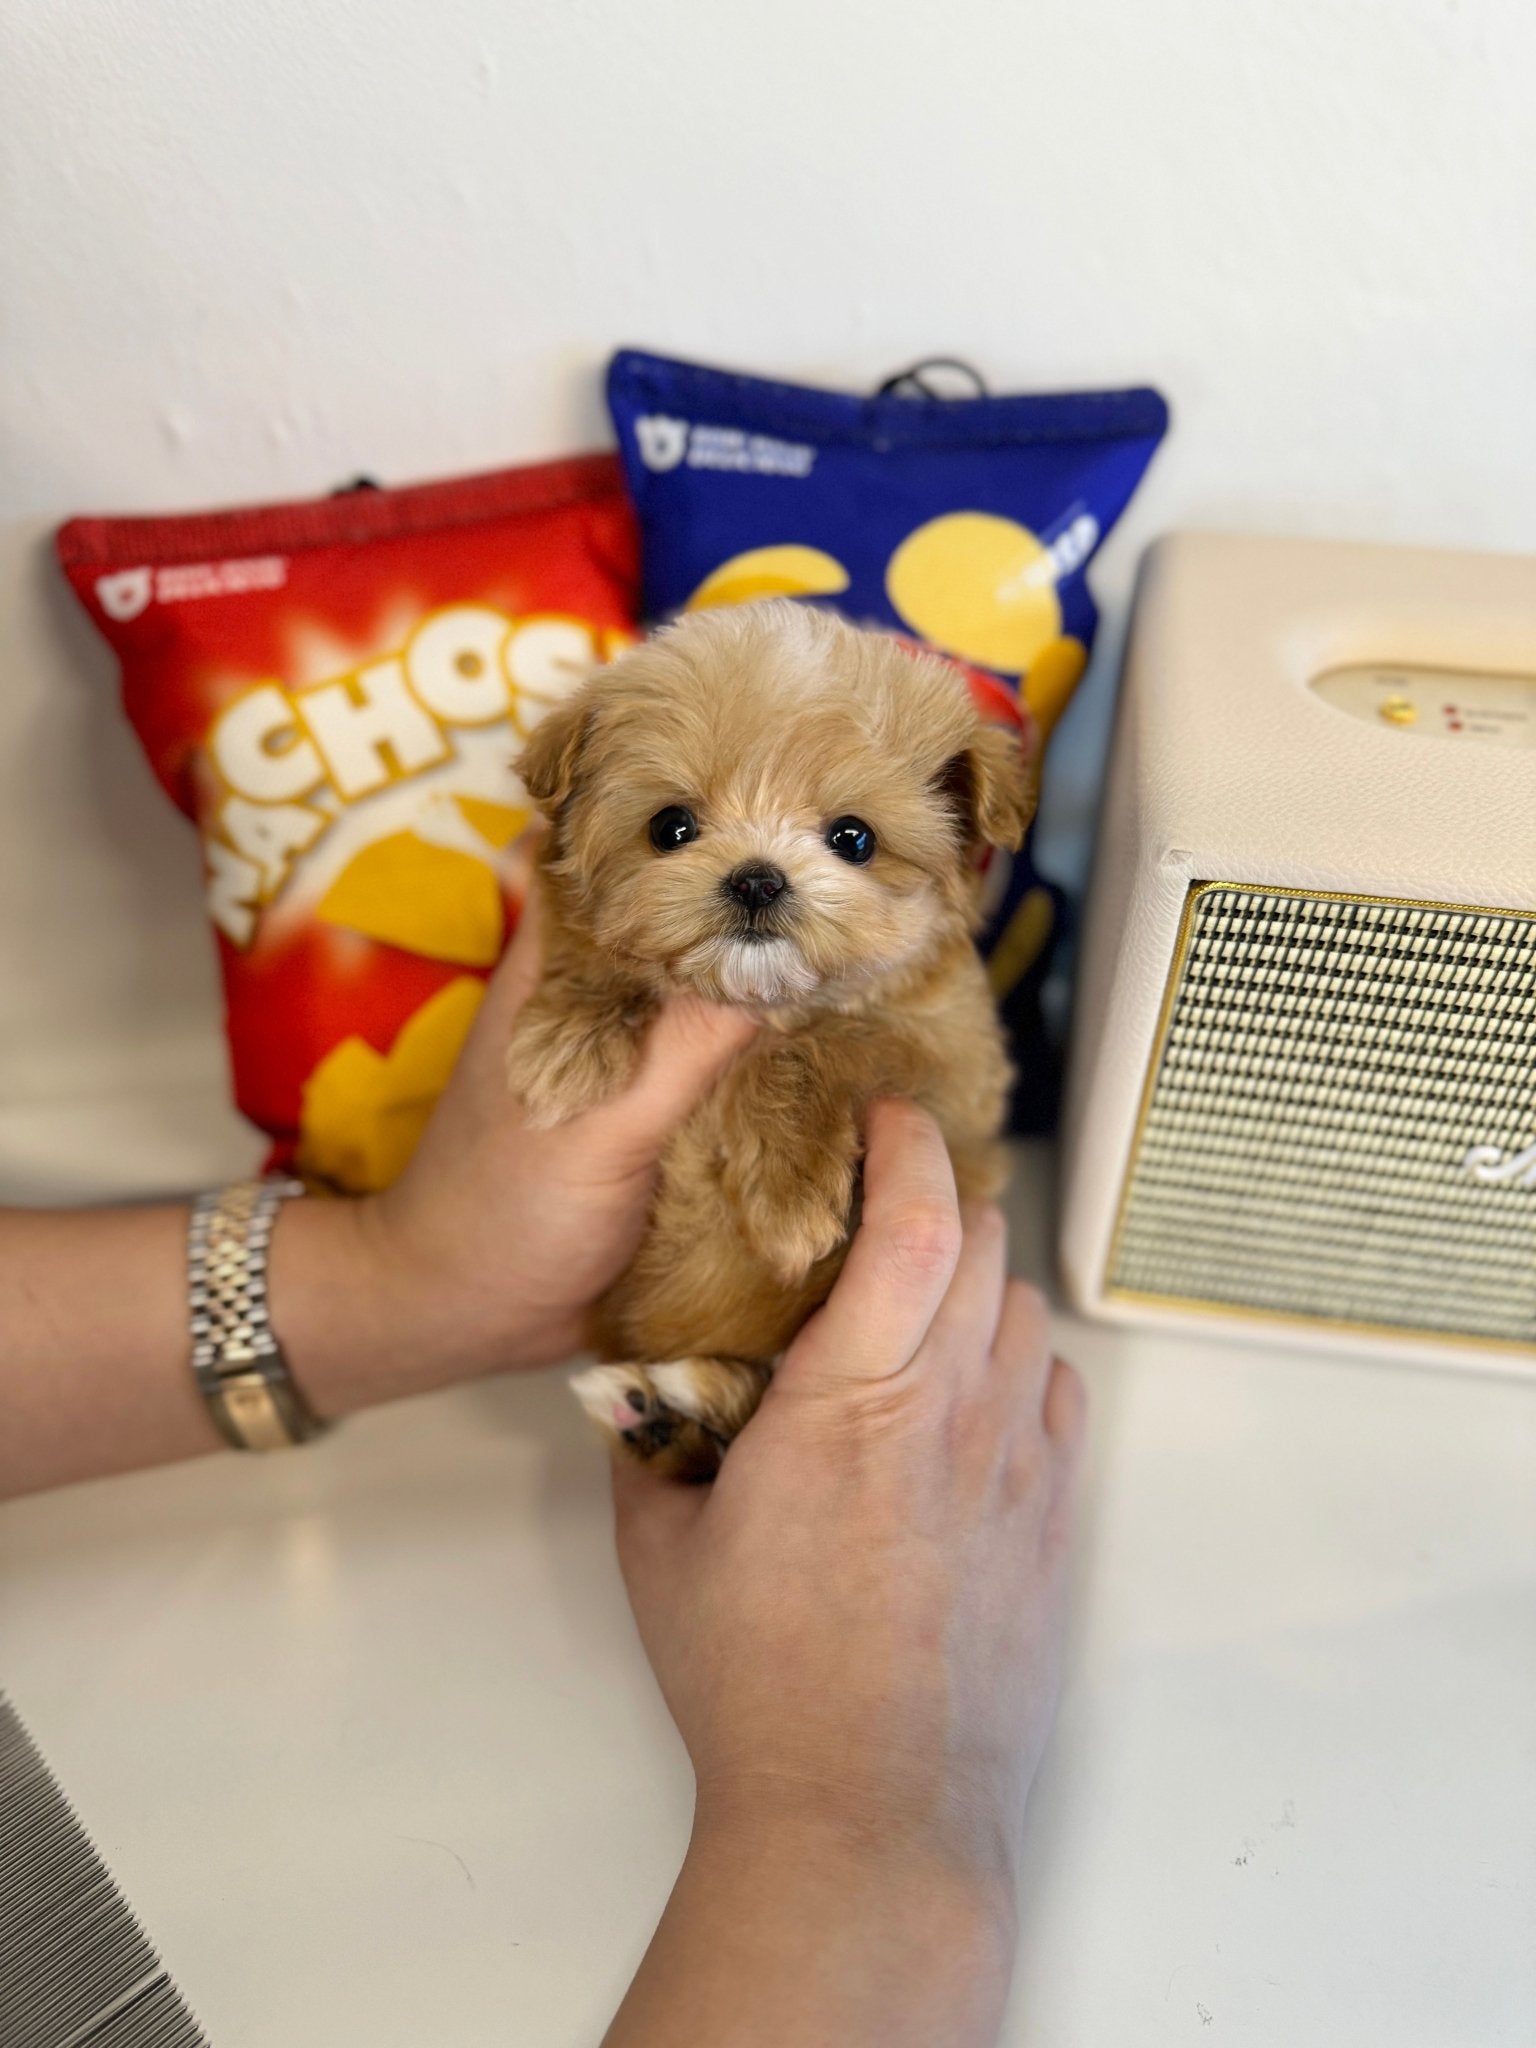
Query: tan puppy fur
[[767, 723]]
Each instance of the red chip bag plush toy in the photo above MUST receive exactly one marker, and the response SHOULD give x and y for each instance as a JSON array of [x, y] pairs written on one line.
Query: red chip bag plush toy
[[335, 692]]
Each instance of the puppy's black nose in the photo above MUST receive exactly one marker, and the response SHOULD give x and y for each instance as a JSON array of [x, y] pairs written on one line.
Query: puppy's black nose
[[756, 884]]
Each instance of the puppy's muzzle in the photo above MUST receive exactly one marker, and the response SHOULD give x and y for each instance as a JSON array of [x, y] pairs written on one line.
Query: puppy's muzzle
[[755, 886]]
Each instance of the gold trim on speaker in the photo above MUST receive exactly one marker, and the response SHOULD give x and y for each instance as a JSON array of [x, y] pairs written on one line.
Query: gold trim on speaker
[[1197, 1305], [1154, 1066], [1400, 1333]]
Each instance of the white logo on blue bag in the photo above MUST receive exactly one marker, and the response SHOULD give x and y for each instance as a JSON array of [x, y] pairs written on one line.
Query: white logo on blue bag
[[662, 442]]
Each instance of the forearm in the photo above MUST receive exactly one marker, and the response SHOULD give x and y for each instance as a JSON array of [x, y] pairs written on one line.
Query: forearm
[[95, 1372], [790, 1929]]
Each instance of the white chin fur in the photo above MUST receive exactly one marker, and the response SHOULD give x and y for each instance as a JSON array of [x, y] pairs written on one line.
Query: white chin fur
[[755, 971]]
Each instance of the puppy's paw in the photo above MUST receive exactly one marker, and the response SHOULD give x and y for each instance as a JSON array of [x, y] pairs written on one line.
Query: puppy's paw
[[720, 1394], [793, 1206], [678, 1417], [564, 1059]]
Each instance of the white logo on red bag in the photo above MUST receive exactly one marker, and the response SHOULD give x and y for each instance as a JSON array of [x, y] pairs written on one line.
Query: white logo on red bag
[[125, 595], [179, 581], [662, 442]]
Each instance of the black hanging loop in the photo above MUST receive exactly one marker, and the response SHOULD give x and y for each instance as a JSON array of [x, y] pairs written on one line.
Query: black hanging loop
[[912, 382]]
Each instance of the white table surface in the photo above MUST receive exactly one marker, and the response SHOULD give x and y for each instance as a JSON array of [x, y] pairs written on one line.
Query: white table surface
[[366, 1735]]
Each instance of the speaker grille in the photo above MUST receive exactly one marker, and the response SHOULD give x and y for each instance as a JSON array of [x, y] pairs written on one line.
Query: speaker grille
[[1327, 1065]]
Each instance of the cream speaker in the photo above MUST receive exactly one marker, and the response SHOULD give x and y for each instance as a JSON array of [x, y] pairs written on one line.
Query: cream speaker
[[1303, 1077]]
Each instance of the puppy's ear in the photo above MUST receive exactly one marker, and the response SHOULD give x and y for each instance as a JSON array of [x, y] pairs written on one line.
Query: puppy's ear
[[992, 786], [547, 764]]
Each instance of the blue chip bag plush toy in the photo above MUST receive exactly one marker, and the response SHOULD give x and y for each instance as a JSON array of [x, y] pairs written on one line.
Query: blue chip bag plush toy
[[963, 523]]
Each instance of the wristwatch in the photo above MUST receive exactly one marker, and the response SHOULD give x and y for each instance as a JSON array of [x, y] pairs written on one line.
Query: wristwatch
[[236, 1358]]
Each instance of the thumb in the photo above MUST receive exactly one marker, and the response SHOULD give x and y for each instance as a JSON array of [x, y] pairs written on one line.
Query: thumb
[[900, 1263], [482, 1069], [516, 978], [687, 1049]]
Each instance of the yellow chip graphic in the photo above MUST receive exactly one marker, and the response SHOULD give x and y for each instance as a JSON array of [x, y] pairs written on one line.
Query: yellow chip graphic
[[428, 899], [497, 824], [786, 571], [1051, 678], [977, 586], [363, 1112], [1021, 942]]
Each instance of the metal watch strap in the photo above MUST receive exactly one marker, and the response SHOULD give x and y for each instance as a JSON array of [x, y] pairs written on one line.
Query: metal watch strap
[[236, 1357]]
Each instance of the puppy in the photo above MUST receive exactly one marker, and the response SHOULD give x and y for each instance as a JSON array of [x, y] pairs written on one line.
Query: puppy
[[772, 809]]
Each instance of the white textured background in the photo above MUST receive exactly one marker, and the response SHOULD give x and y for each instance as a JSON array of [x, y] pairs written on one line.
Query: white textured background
[[252, 251]]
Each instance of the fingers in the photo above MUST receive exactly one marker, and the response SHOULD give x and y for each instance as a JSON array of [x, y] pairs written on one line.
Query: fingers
[[687, 1049], [518, 974], [1045, 1397], [1022, 1349], [1066, 1407], [482, 1064], [1046, 1392], [477, 1094], [968, 1319], [902, 1260]]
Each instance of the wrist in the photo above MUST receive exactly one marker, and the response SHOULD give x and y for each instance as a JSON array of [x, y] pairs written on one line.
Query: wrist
[[465, 1314], [793, 1917], [862, 1848], [914, 1812], [358, 1319]]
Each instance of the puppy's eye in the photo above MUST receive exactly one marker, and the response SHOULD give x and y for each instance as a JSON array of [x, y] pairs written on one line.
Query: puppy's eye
[[672, 828], [851, 840]]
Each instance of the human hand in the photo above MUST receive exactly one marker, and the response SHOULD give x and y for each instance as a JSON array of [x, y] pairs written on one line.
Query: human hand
[[488, 1250], [861, 1616]]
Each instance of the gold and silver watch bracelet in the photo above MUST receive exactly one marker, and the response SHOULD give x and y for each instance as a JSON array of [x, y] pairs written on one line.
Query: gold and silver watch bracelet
[[236, 1358]]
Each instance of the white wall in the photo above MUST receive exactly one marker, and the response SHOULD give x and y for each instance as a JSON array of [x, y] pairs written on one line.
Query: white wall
[[252, 251]]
